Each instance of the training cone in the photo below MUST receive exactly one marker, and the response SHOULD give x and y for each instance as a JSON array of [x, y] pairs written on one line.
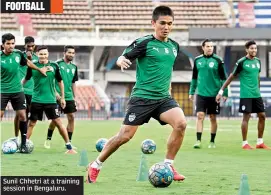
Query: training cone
[[143, 169], [244, 188], [83, 161]]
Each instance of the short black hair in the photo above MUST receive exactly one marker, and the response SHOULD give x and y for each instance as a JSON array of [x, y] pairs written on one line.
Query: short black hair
[[249, 43], [66, 47], [205, 41], [7, 37], [29, 39], [162, 11], [42, 47]]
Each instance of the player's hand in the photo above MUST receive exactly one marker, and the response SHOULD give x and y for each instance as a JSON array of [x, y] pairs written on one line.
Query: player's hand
[[218, 97], [29, 55], [123, 63], [191, 97], [43, 70], [62, 103], [224, 98]]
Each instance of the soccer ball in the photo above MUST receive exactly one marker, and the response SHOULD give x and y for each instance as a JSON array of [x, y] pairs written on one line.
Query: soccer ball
[[100, 144], [9, 147], [160, 175], [148, 146], [29, 145], [16, 140]]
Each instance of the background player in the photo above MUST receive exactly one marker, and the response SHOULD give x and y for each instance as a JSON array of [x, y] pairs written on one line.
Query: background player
[[44, 99], [11, 87], [68, 71], [248, 68], [155, 55], [208, 74], [28, 87]]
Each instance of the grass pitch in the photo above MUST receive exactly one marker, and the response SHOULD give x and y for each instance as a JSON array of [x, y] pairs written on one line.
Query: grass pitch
[[208, 171]]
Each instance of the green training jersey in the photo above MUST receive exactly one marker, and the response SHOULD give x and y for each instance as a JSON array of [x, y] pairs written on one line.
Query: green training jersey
[[208, 76], [44, 86], [154, 65], [69, 76], [29, 85], [248, 70], [10, 77]]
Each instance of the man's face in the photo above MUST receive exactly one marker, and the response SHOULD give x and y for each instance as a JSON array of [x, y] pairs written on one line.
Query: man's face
[[43, 55], [9, 45], [30, 46], [208, 48], [163, 26], [252, 50], [69, 54]]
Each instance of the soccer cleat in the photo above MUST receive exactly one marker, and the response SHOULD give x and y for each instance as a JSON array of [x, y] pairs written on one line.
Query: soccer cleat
[[262, 146], [247, 147], [47, 144], [176, 176], [24, 149], [212, 145], [197, 144], [92, 174], [72, 151]]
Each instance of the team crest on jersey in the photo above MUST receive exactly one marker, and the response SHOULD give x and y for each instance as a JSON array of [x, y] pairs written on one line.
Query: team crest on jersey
[[253, 65], [50, 68], [166, 50], [258, 65], [211, 64], [174, 52], [132, 117], [73, 71], [17, 59]]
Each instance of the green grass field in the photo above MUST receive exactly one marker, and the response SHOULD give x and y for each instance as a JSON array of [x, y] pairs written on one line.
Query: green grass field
[[208, 171]]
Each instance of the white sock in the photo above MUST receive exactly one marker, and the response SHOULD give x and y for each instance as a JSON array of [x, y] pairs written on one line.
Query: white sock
[[97, 164], [259, 141], [245, 142], [169, 161]]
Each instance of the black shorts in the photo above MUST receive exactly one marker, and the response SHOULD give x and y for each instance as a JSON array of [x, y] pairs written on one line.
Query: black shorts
[[70, 107], [140, 110], [17, 100], [251, 105], [207, 105], [37, 109]]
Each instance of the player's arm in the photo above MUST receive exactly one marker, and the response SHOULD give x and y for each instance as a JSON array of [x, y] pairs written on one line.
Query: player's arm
[[58, 77], [75, 78], [24, 61], [133, 51], [194, 81], [223, 76], [27, 76], [259, 75]]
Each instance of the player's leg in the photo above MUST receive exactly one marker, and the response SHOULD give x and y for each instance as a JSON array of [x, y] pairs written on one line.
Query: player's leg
[[16, 126], [258, 107], [31, 125], [200, 110], [213, 109], [51, 128], [36, 113], [69, 110], [213, 130], [245, 107], [4, 102]]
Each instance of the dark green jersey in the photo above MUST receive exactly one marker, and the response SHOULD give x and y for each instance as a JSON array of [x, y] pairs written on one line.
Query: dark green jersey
[[10, 77], [208, 76], [155, 60], [44, 87], [29, 85], [69, 76], [248, 71]]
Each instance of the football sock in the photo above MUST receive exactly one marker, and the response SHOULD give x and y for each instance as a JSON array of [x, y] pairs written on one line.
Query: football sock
[[199, 136], [259, 141], [50, 134], [97, 164], [70, 136], [213, 137], [23, 130], [68, 146], [169, 161], [245, 142]]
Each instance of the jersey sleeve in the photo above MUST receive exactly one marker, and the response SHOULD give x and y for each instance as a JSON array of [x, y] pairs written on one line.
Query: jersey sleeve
[[136, 50], [23, 61], [28, 74], [75, 77], [238, 68], [193, 84], [58, 75]]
